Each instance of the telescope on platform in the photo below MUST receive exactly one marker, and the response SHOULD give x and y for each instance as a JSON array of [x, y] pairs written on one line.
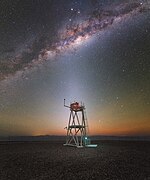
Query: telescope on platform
[[77, 128]]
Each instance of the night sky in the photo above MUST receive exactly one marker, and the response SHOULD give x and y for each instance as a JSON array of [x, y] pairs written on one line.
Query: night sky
[[94, 51]]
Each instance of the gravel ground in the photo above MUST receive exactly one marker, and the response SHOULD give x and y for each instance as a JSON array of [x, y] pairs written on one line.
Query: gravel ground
[[51, 160]]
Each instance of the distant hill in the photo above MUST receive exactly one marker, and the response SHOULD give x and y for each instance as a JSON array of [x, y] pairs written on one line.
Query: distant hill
[[62, 138], [33, 138], [122, 138]]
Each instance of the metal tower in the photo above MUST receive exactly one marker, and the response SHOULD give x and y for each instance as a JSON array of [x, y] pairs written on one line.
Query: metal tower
[[77, 126]]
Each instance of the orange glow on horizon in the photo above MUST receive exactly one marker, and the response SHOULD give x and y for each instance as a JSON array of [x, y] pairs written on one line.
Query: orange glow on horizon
[[118, 129]]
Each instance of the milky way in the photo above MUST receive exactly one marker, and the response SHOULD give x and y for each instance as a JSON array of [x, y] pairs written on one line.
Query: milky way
[[70, 36]]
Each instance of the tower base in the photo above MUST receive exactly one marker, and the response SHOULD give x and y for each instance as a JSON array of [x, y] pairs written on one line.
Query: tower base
[[87, 146], [73, 145]]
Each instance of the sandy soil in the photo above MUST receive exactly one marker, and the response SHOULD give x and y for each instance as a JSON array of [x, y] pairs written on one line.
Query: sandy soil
[[49, 160]]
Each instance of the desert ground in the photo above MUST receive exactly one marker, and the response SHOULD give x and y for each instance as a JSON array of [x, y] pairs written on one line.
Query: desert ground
[[51, 160]]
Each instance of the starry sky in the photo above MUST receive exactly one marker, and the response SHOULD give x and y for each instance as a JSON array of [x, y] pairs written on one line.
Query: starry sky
[[94, 51]]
